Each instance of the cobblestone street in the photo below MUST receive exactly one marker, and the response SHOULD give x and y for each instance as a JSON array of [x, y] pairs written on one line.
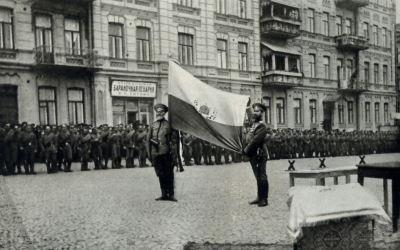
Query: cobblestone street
[[115, 209]]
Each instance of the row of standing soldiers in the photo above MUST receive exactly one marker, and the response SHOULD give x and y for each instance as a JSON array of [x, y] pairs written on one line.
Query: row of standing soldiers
[[59, 146]]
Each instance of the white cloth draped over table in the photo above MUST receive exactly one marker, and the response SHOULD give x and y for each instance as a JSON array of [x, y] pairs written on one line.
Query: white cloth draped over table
[[317, 205]]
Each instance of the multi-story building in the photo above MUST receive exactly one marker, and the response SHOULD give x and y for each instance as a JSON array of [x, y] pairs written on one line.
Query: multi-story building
[[398, 71], [328, 64], [106, 61]]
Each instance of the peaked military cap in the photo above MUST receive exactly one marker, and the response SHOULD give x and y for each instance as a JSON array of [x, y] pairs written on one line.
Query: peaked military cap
[[259, 105], [160, 107]]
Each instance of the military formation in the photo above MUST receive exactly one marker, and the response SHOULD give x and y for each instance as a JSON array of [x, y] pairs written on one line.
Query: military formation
[[23, 145]]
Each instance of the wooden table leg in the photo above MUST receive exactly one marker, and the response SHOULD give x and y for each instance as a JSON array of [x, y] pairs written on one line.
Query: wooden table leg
[[396, 201], [360, 178], [348, 179], [335, 180], [385, 195], [320, 181], [291, 181]]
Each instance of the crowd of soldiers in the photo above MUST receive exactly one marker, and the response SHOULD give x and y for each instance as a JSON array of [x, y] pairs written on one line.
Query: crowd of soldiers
[[58, 146]]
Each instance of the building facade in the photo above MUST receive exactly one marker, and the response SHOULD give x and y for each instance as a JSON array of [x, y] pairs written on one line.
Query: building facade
[[398, 72], [106, 61], [328, 64]]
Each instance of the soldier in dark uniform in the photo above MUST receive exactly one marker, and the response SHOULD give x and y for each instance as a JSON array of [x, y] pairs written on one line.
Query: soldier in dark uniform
[[11, 149], [197, 149], [105, 145], [84, 148], [20, 158], [227, 153], [29, 148], [187, 149], [207, 153], [159, 148], [97, 155], [3, 169], [257, 154], [49, 147], [218, 155], [140, 141], [128, 142], [64, 149]]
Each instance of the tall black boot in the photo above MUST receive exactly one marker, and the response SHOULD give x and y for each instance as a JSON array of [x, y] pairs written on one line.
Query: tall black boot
[[69, 166], [26, 167], [96, 164], [49, 170], [105, 164], [171, 191], [32, 165], [264, 193], [257, 200], [164, 195]]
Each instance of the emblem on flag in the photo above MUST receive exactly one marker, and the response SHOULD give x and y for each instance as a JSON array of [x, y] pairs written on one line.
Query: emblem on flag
[[205, 111]]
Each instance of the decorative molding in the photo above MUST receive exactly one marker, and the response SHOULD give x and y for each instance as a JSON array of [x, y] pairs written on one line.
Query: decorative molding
[[117, 64], [223, 73], [225, 28], [186, 9], [8, 55], [77, 61], [186, 21], [244, 75], [131, 10], [145, 66]]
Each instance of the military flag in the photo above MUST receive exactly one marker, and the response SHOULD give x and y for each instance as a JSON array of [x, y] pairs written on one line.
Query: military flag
[[205, 112]]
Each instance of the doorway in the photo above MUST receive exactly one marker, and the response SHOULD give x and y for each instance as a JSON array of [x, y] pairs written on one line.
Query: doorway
[[8, 104], [328, 115]]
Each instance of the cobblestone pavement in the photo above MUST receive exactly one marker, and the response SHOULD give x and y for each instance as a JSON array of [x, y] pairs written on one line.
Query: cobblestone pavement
[[115, 209]]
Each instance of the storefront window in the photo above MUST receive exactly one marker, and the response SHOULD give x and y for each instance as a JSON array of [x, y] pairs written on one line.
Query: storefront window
[[76, 111], [128, 110], [47, 106]]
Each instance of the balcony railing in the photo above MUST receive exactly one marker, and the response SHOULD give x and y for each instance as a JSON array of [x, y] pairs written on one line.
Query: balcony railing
[[351, 4], [280, 27], [49, 55], [353, 85], [282, 79], [351, 42]]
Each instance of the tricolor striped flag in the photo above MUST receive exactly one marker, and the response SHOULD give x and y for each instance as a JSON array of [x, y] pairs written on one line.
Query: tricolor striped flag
[[205, 112]]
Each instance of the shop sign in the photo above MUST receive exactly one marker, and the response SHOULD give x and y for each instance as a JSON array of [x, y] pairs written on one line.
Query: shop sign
[[133, 89]]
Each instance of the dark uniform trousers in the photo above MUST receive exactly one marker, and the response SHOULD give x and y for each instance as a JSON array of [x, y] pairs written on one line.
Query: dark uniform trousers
[[164, 167], [97, 155], [259, 166], [50, 155], [218, 155]]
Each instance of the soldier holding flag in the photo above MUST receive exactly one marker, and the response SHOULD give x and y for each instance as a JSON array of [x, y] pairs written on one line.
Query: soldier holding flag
[[255, 150]]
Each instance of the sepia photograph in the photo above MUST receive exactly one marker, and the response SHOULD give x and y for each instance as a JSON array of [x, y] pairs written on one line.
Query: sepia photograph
[[200, 124]]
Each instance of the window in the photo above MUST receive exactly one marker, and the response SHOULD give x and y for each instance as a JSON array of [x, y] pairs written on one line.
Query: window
[[6, 29], [367, 112], [185, 48], [43, 33], [366, 72], [375, 35], [339, 63], [72, 36], [365, 30], [221, 6], [221, 53], [389, 38], [325, 22], [349, 68], [385, 75], [350, 112], [341, 113], [348, 26], [386, 112], [187, 3], [326, 67], [310, 17], [267, 104], [115, 40], [280, 110], [376, 73], [297, 111], [313, 111], [377, 118], [47, 106], [242, 8], [76, 111], [242, 56], [143, 43], [384, 37], [339, 25], [312, 65]]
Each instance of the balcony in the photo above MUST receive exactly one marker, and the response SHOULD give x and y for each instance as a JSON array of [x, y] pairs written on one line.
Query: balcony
[[353, 86], [280, 28], [351, 42], [58, 56], [351, 4], [283, 79]]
